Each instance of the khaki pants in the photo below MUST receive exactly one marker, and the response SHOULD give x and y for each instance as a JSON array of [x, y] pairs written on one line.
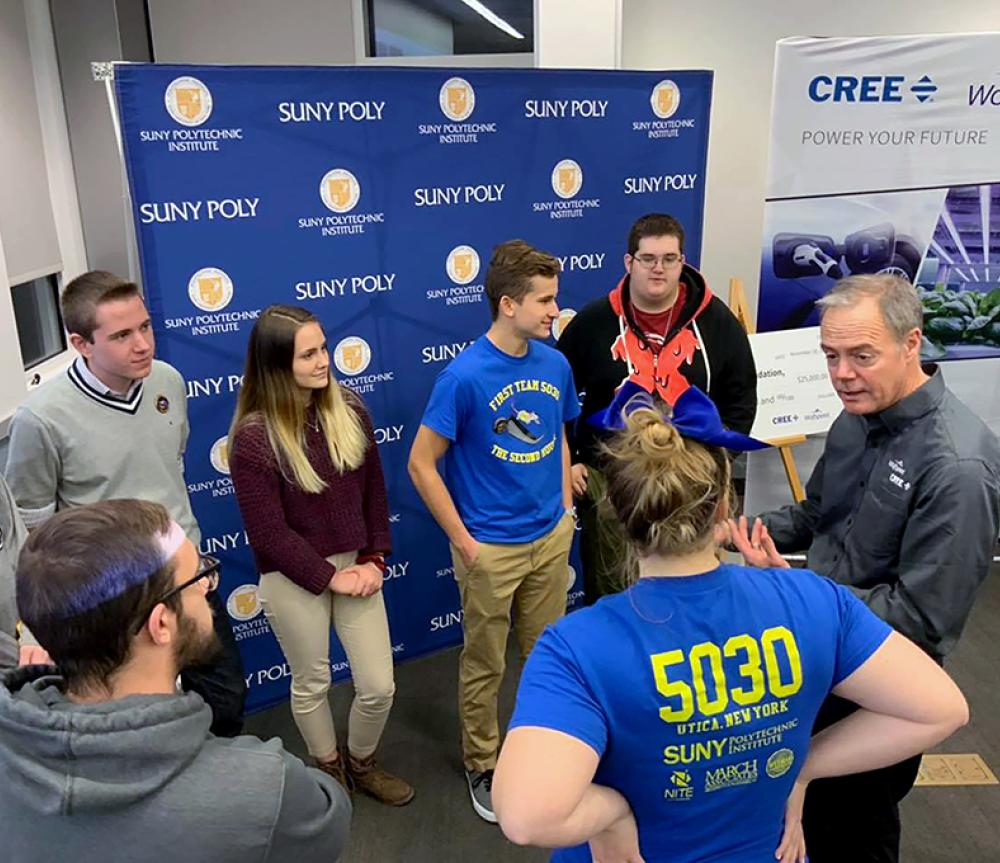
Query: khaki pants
[[301, 622], [533, 578]]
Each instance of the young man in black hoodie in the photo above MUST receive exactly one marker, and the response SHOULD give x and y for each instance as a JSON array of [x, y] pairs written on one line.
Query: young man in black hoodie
[[663, 328]]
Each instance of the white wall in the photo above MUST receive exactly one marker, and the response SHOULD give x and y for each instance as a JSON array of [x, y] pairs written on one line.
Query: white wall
[[736, 39], [304, 32], [578, 34]]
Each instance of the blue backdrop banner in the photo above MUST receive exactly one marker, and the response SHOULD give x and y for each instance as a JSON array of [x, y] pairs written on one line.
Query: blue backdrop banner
[[374, 197]]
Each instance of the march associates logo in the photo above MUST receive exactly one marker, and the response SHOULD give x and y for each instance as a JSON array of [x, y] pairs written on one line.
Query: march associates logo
[[341, 192], [870, 89]]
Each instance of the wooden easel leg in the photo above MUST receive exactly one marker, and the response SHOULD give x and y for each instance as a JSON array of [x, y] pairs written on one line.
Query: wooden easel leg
[[792, 473]]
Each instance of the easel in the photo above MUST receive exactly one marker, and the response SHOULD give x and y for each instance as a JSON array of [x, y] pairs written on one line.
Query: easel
[[738, 306]]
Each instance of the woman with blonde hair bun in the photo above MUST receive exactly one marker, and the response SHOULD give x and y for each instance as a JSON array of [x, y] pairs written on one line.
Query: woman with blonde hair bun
[[309, 484], [672, 722]]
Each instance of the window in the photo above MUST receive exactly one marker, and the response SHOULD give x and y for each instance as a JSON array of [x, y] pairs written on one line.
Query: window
[[428, 28], [39, 322]]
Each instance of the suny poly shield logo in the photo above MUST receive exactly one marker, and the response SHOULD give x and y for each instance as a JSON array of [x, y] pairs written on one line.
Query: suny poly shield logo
[[457, 99], [462, 265], [559, 324], [210, 289], [243, 603], [340, 190], [219, 455], [567, 178], [352, 355], [665, 99], [188, 101]]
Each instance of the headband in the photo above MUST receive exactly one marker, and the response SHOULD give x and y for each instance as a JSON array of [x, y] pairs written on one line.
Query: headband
[[113, 582], [694, 415]]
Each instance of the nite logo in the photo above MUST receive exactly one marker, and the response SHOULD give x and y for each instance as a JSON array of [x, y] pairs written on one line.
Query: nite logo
[[869, 88], [188, 101], [457, 99], [340, 190], [210, 289]]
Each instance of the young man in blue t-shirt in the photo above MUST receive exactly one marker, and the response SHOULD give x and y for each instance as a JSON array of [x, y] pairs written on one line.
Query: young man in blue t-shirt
[[497, 415]]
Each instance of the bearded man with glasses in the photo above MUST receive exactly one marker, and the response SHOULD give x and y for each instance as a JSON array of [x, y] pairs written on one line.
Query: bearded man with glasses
[[103, 752], [662, 328]]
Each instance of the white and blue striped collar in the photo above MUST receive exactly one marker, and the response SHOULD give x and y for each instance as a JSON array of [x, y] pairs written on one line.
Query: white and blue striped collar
[[89, 384]]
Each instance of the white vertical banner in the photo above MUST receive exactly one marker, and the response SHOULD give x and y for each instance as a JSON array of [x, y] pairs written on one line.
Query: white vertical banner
[[885, 158]]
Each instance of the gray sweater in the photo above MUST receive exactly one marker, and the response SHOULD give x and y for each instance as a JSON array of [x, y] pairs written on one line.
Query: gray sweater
[[12, 536], [141, 777], [903, 508], [72, 445]]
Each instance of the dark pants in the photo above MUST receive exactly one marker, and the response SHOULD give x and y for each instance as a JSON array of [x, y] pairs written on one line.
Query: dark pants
[[222, 683], [855, 819], [603, 549]]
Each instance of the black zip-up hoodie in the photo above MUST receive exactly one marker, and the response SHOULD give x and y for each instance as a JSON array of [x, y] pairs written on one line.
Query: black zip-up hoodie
[[707, 346]]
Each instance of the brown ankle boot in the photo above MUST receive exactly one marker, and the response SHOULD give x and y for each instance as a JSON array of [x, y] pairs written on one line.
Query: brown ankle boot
[[337, 771], [371, 779]]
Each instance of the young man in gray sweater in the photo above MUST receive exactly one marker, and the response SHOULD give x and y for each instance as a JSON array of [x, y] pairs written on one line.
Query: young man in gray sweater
[[115, 426], [102, 754]]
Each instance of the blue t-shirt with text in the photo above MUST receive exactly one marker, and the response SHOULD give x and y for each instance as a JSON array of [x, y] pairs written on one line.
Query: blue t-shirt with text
[[504, 416], [699, 695]]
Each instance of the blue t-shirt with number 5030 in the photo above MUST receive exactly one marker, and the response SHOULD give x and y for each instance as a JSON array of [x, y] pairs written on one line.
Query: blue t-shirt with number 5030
[[699, 695]]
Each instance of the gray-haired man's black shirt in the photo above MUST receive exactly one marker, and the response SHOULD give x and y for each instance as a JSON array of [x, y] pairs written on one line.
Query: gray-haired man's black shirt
[[904, 508]]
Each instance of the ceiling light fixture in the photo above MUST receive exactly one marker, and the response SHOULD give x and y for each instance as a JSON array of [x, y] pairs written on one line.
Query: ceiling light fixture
[[493, 18]]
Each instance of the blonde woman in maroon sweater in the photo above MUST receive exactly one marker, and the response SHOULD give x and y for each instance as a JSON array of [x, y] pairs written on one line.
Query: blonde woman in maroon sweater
[[309, 484]]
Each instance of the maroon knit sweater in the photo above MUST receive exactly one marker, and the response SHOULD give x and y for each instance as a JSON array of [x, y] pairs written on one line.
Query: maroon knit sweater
[[293, 531]]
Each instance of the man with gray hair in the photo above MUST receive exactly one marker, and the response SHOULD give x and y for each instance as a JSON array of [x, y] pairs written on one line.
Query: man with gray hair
[[903, 507]]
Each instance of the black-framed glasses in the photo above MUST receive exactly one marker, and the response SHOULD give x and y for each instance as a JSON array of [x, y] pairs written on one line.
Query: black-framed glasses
[[650, 261], [208, 568]]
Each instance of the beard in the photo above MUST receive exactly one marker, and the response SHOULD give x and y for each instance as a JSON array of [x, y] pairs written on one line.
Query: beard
[[195, 647]]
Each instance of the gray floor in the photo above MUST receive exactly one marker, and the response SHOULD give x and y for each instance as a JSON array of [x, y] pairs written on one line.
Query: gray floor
[[940, 825]]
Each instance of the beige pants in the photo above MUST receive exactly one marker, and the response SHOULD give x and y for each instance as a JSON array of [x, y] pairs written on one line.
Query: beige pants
[[531, 577], [301, 622]]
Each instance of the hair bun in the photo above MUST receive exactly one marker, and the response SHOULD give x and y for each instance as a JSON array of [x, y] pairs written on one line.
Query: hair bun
[[656, 437]]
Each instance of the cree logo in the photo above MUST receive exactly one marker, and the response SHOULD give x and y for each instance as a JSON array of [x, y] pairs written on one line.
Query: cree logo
[[924, 89]]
